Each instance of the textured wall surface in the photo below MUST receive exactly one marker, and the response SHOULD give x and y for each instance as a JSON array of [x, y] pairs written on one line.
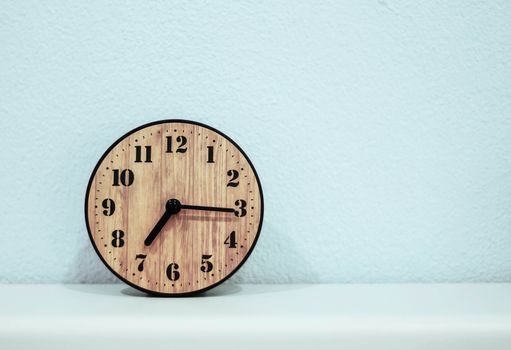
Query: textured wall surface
[[381, 130]]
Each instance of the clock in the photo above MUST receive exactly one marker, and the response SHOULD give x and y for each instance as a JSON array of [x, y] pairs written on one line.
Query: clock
[[174, 207]]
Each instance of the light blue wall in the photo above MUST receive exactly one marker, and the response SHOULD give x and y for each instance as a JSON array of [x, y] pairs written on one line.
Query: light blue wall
[[381, 130]]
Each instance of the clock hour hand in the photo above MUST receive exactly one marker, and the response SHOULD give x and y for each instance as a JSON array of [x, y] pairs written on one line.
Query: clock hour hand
[[171, 207], [201, 207]]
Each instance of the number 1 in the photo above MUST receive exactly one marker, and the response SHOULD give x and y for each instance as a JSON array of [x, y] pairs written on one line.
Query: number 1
[[210, 154]]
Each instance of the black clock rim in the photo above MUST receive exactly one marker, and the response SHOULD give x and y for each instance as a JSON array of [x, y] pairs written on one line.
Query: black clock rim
[[148, 291]]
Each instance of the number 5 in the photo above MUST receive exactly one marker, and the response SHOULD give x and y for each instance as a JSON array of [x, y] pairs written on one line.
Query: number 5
[[206, 265]]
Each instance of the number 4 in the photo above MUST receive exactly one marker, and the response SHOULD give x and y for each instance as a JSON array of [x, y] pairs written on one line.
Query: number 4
[[231, 240]]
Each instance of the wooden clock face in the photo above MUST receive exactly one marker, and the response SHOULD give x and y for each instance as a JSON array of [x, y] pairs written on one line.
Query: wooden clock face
[[174, 207]]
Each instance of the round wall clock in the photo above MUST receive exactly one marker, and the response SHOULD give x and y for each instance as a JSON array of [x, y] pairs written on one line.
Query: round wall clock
[[174, 207]]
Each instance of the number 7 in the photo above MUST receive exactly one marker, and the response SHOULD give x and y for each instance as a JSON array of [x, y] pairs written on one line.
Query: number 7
[[141, 265]]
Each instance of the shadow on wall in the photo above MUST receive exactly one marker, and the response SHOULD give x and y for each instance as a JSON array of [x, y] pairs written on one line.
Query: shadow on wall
[[276, 259], [87, 266]]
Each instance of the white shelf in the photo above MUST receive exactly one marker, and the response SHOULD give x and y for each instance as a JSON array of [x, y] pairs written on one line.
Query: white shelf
[[429, 316]]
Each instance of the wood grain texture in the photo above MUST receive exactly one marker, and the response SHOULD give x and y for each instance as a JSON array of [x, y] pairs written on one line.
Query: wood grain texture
[[188, 235]]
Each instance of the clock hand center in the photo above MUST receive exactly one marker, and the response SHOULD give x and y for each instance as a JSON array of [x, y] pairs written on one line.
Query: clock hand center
[[173, 206]]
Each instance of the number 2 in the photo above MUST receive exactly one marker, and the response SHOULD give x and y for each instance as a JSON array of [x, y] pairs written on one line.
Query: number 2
[[235, 174]]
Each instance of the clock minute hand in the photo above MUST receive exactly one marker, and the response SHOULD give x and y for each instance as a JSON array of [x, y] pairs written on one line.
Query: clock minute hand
[[202, 207], [171, 207]]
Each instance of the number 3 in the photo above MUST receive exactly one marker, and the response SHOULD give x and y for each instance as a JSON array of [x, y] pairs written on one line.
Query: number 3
[[242, 205]]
